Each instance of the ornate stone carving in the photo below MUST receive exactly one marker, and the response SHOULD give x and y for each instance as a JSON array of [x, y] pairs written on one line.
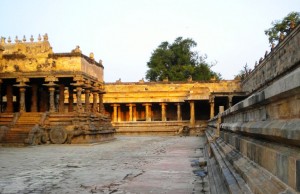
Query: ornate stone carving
[[58, 135]]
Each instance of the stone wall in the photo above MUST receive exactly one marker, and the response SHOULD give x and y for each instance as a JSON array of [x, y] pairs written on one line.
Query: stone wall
[[260, 136], [282, 58]]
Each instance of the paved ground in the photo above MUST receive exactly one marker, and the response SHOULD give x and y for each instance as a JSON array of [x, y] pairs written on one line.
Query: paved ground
[[143, 164]]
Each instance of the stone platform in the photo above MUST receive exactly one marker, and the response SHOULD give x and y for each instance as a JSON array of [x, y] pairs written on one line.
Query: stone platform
[[36, 128]]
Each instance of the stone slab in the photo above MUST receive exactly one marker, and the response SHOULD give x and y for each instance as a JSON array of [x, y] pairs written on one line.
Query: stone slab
[[143, 164]]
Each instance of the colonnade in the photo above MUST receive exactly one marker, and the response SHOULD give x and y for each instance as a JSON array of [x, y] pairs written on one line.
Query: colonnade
[[192, 107], [47, 101], [133, 113]]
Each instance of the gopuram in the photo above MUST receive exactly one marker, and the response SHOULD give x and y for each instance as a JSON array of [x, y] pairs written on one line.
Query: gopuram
[[49, 97]]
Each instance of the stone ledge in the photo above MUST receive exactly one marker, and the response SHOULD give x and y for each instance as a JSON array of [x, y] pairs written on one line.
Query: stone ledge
[[275, 129], [233, 181], [277, 159], [258, 179]]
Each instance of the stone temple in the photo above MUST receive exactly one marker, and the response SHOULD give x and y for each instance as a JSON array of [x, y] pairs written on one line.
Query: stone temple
[[252, 126], [42, 92]]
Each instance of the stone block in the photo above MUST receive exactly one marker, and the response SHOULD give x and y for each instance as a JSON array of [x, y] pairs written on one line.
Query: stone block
[[282, 166]]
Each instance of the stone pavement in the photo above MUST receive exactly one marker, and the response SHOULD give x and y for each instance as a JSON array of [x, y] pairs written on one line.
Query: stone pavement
[[143, 164]]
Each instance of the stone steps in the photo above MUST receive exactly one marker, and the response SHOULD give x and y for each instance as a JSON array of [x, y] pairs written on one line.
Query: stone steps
[[233, 181], [239, 170], [20, 131], [6, 118], [15, 136], [31, 118]]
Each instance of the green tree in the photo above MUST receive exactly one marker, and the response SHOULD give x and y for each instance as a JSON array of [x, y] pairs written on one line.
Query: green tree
[[177, 62], [282, 26]]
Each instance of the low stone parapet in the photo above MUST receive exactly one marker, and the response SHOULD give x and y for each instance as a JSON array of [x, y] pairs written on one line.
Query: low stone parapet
[[158, 127], [260, 136], [244, 174]]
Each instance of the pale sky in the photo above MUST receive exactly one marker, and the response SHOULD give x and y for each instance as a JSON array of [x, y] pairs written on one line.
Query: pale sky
[[124, 33]]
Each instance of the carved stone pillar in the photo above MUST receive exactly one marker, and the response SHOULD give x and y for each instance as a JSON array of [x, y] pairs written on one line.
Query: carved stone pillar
[[95, 107], [78, 85], [51, 99], [78, 98], [9, 99], [87, 92], [119, 113], [148, 111], [34, 98], [130, 112], [134, 113], [212, 106], [61, 103], [71, 99], [22, 88], [179, 117], [115, 112], [51, 86], [192, 113], [163, 112], [22, 99], [95, 91]]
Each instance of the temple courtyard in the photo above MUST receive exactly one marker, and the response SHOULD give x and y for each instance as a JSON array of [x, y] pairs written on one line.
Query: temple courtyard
[[129, 164]]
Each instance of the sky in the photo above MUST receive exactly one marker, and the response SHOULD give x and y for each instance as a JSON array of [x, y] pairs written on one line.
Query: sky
[[124, 33]]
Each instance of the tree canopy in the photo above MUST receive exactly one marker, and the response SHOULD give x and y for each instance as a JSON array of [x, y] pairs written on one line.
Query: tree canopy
[[178, 62], [282, 26]]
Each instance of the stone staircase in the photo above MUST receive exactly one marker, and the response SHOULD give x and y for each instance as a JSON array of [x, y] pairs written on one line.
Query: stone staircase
[[19, 131], [6, 119]]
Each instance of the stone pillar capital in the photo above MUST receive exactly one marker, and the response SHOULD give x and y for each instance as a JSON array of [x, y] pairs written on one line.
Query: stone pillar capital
[[163, 104], [87, 84], [51, 79], [115, 105], [211, 98]]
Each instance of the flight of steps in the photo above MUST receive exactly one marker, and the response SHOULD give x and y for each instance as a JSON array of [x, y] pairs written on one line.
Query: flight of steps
[[6, 119], [20, 130]]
